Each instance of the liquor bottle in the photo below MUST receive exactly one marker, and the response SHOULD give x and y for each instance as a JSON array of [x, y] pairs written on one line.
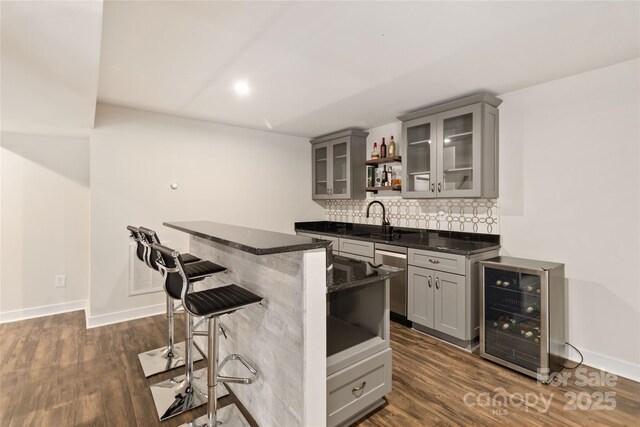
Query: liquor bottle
[[384, 176], [392, 148], [374, 153], [383, 149], [389, 176]]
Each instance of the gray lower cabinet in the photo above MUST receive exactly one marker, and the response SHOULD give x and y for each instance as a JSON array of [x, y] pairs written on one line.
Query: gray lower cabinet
[[450, 304], [338, 165], [356, 388], [357, 249], [358, 352], [437, 300], [442, 294]]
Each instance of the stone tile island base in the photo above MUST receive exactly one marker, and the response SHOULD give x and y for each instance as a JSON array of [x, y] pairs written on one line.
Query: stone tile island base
[[285, 339]]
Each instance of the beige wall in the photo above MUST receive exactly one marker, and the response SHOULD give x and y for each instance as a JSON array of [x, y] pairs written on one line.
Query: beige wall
[[570, 192], [227, 174], [44, 220]]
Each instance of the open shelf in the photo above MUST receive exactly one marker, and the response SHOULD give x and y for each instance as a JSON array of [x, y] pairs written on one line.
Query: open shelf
[[376, 162], [375, 190]]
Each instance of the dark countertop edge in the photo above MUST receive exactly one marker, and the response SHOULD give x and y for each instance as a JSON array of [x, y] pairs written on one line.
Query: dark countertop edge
[[362, 282], [402, 244], [319, 244]]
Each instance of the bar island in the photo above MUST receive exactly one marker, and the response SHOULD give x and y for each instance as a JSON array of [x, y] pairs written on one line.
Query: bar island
[[320, 341]]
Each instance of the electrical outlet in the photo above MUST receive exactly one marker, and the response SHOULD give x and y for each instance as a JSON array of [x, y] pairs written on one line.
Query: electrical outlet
[[61, 281], [442, 215]]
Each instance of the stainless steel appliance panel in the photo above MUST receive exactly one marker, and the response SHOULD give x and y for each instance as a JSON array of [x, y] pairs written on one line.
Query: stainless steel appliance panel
[[396, 257]]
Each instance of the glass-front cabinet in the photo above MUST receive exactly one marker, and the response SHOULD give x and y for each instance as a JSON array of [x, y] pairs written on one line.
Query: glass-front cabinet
[[452, 152], [338, 160], [420, 157]]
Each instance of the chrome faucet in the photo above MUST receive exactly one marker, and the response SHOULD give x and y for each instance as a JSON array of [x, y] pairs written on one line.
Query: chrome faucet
[[385, 221]]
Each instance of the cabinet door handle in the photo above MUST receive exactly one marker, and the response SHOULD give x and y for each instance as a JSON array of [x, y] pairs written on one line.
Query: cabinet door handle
[[434, 261], [439, 187], [429, 281], [356, 389], [437, 283], [433, 187]]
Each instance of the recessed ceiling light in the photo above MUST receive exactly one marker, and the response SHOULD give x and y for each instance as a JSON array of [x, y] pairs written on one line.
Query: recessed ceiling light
[[241, 88]]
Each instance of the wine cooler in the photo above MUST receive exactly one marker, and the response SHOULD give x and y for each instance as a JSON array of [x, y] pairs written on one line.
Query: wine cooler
[[522, 322]]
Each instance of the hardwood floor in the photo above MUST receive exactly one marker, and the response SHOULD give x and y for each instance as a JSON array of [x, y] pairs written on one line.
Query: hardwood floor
[[54, 372]]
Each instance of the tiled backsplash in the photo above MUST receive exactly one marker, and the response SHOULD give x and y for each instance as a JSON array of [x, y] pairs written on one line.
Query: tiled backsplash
[[470, 215]]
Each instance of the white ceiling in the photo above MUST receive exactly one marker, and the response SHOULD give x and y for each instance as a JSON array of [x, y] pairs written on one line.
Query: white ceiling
[[313, 67], [49, 65], [317, 67]]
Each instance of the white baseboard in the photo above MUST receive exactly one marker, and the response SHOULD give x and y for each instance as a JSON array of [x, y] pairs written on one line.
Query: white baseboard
[[615, 366], [122, 316], [45, 310]]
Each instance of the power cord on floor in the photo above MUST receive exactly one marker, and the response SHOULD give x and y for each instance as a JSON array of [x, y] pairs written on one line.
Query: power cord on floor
[[581, 358]]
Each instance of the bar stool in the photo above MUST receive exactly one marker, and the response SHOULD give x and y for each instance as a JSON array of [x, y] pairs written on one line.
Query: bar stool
[[172, 355], [183, 393], [211, 304]]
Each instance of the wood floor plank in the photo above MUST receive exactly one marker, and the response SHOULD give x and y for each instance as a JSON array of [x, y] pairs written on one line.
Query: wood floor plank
[[55, 372]]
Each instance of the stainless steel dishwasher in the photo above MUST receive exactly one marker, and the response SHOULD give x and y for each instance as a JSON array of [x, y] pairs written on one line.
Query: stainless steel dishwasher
[[395, 256]]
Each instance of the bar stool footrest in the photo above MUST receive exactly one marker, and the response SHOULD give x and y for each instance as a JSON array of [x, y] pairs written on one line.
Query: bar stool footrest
[[237, 380]]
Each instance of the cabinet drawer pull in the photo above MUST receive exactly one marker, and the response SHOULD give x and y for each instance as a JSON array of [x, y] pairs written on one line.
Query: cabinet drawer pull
[[356, 389], [429, 281], [433, 187], [437, 283], [434, 261], [439, 187]]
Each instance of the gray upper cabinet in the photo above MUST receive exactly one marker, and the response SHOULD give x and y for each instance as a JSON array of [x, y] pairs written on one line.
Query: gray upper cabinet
[[451, 150], [338, 171]]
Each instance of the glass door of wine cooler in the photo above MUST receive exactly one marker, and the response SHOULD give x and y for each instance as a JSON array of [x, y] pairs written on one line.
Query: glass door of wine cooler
[[515, 324], [419, 155]]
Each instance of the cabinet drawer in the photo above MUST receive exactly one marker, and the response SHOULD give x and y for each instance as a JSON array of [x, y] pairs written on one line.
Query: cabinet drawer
[[357, 247], [333, 240], [440, 261], [352, 389]]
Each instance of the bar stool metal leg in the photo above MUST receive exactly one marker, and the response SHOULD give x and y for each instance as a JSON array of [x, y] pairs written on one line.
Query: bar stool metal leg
[[169, 357], [185, 392], [230, 415]]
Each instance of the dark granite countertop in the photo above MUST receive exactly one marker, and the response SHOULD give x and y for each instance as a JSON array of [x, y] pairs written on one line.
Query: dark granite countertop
[[252, 240], [350, 273], [434, 240]]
